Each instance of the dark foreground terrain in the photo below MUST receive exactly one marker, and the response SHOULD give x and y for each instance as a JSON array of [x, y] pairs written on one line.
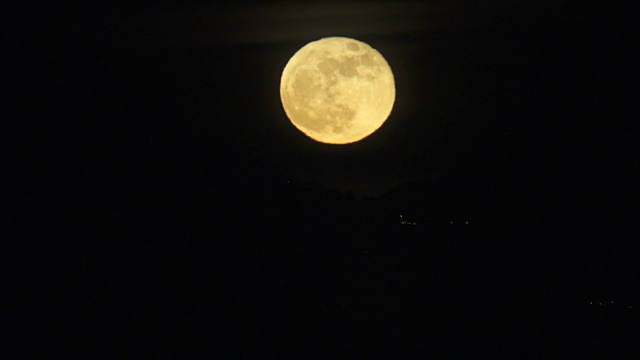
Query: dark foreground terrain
[[292, 270]]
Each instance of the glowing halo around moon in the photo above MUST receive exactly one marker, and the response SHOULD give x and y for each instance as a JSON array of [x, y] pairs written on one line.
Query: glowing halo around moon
[[337, 90]]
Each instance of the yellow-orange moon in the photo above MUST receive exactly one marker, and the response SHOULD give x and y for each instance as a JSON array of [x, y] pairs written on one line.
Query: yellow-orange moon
[[337, 90]]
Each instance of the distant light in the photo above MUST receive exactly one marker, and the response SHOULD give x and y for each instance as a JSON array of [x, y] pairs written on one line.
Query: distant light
[[466, 223], [591, 302]]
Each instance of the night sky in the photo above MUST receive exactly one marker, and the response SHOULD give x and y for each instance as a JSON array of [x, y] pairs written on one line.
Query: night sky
[[491, 92], [155, 119]]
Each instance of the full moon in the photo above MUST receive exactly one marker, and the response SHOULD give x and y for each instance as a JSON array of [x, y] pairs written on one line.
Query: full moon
[[337, 90]]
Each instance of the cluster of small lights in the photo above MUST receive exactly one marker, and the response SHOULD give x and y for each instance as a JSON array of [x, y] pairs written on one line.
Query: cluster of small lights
[[404, 221], [458, 222], [606, 303]]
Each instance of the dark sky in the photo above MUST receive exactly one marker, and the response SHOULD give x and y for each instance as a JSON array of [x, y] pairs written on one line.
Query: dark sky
[[489, 94]]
